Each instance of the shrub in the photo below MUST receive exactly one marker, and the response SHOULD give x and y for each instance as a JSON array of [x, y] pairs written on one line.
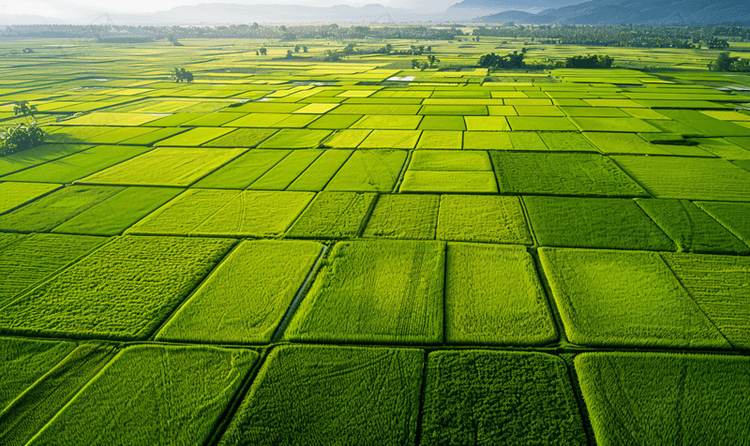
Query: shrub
[[20, 137], [590, 61]]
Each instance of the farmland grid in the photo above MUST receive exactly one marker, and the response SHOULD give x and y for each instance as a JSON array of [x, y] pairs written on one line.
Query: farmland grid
[[320, 253]]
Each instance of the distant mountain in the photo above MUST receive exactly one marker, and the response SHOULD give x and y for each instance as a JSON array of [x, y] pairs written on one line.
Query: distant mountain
[[642, 12], [468, 9]]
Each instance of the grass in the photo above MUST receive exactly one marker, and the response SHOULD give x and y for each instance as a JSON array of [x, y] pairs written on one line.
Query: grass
[[369, 171], [733, 216], [699, 399], [375, 291], [493, 296], [245, 298], [404, 217], [281, 175], [13, 195], [449, 160], [321, 171], [241, 138], [309, 394], [594, 223], [492, 397], [142, 386], [625, 299], [243, 170], [333, 215], [439, 181], [482, 219], [105, 295]]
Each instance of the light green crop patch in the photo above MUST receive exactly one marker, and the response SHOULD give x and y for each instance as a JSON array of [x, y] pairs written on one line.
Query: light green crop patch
[[486, 123], [395, 122], [661, 398], [723, 148], [295, 139], [32, 157], [476, 218], [448, 160], [733, 216], [566, 142], [30, 260], [52, 210], [13, 195], [562, 174], [454, 110], [241, 138], [141, 389], [78, 165], [719, 286], [625, 299], [195, 137], [245, 298], [122, 291], [448, 182], [244, 170], [281, 175], [625, 125], [308, 394], [491, 397], [594, 223], [391, 139], [321, 171], [119, 135], [375, 291], [117, 213], [346, 139], [153, 136], [166, 166], [213, 119], [369, 171], [538, 110], [493, 297], [442, 123], [540, 123], [487, 141], [333, 215], [690, 228], [599, 112], [256, 214], [404, 217], [334, 122], [689, 178], [433, 139]]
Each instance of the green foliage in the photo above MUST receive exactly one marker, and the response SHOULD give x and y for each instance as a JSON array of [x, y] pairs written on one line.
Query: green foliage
[[182, 75], [725, 63], [590, 61], [509, 61], [20, 137]]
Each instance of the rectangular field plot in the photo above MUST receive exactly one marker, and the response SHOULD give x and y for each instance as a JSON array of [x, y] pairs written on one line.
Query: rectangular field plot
[[245, 298], [438, 139], [166, 166], [333, 215], [688, 178], [78, 165], [450, 160], [326, 395], [243, 170], [321, 171], [195, 137], [691, 228], [375, 291], [625, 299], [404, 217], [32, 157], [124, 290], [241, 138], [486, 397], [13, 195], [295, 139], [391, 139], [629, 143], [493, 296], [482, 219], [256, 214], [719, 284], [562, 174], [624, 125], [50, 211], [534, 123], [152, 394], [280, 176], [369, 171], [447, 182], [594, 223], [661, 398], [733, 216]]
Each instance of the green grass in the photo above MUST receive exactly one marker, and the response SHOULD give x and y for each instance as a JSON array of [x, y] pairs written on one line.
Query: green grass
[[487, 397], [594, 223], [166, 166], [280, 176], [375, 291], [689, 178], [442, 123], [625, 299], [534, 123], [566, 142], [439, 181], [195, 137], [333, 215], [124, 290], [733, 216], [152, 136], [436, 139], [37, 155], [241, 138], [334, 122], [136, 395], [719, 286], [404, 217], [369, 171], [346, 139], [321, 171], [450, 160], [482, 219], [331, 395], [396, 122], [454, 110], [256, 214], [243, 170], [52, 210], [629, 143], [245, 298], [659, 398], [690, 228], [487, 123], [13, 195], [391, 139], [493, 296], [117, 213], [562, 174], [295, 139], [487, 141]]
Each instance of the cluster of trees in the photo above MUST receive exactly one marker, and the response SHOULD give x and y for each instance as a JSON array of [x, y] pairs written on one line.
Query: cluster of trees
[[515, 60], [21, 136], [182, 75], [726, 63], [127, 34], [590, 61], [431, 62], [351, 49], [637, 36], [512, 60]]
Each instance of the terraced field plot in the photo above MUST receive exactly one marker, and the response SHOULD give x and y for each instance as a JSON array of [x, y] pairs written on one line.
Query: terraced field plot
[[292, 251]]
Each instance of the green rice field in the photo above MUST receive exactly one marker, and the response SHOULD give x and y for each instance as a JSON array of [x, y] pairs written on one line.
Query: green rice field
[[288, 251]]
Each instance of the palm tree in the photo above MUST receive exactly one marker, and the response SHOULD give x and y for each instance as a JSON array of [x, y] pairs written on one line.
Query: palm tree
[[23, 108]]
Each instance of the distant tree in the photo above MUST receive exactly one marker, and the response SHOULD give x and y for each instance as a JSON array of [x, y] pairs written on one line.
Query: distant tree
[[263, 51], [590, 61], [716, 44], [419, 64], [24, 109], [433, 60], [257, 53], [297, 48], [181, 75], [331, 56], [509, 61], [304, 49], [27, 51], [726, 63], [289, 54], [20, 137]]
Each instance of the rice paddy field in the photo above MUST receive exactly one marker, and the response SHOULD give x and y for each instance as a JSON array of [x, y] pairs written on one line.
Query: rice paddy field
[[294, 252]]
